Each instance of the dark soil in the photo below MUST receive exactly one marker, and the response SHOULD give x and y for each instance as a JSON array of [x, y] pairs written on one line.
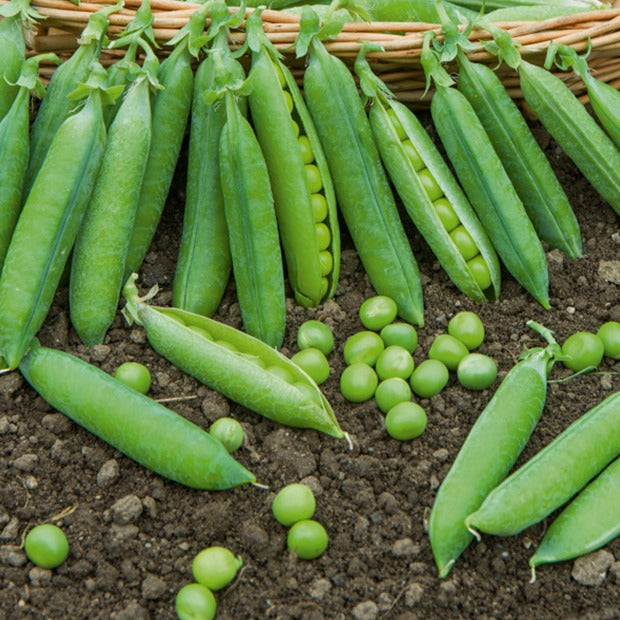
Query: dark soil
[[133, 534]]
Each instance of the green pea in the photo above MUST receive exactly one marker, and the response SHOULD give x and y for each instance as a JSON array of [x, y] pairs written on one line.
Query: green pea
[[195, 602], [313, 175], [135, 375], [405, 421], [390, 392], [413, 155], [215, 567], [281, 372], [447, 214], [582, 350], [402, 334], [480, 270], [281, 78], [227, 345], [447, 349], [429, 378], [228, 432], [467, 327], [398, 127], [377, 312], [307, 539], [293, 503], [609, 333], [364, 346], [46, 546], [314, 363], [319, 207], [295, 128], [315, 334], [326, 262], [476, 371], [324, 286], [307, 156], [430, 184], [394, 361], [464, 242], [358, 382], [307, 389], [289, 101], [199, 330], [323, 236]]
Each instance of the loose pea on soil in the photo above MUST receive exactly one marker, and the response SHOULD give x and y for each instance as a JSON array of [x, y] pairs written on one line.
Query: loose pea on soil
[[374, 500]]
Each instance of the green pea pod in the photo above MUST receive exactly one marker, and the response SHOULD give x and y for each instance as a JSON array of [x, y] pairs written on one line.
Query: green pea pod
[[204, 262], [279, 116], [98, 263], [252, 228], [13, 54], [56, 106], [237, 365], [131, 422], [408, 152], [552, 476], [490, 450], [48, 224], [586, 524], [527, 166], [362, 188]]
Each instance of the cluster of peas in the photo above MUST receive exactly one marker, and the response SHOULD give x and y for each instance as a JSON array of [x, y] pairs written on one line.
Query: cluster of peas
[[448, 216]]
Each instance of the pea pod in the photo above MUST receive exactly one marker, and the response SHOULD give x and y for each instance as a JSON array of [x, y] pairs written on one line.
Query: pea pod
[[282, 123], [237, 365], [362, 189], [427, 187], [486, 183], [552, 476], [98, 263], [14, 149], [252, 228], [586, 524], [204, 249], [48, 224], [131, 422], [490, 450]]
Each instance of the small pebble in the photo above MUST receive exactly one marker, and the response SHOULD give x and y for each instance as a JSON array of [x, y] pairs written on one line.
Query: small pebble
[[591, 569], [26, 462], [126, 510], [153, 588], [367, 610], [40, 576], [108, 474]]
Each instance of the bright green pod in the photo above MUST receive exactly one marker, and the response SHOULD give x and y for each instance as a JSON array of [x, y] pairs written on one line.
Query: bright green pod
[[490, 450], [136, 425], [98, 262], [574, 129], [252, 229], [204, 262], [605, 101], [47, 227], [13, 54], [269, 105], [233, 371], [418, 204], [587, 523], [553, 475], [527, 166], [362, 189], [490, 190]]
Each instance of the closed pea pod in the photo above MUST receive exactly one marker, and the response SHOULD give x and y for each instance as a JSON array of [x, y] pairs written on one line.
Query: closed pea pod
[[362, 189], [139, 427], [491, 448], [238, 365], [553, 475], [49, 221], [398, 132]]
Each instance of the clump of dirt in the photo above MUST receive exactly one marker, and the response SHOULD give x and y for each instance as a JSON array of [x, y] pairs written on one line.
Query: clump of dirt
[[133, 534]]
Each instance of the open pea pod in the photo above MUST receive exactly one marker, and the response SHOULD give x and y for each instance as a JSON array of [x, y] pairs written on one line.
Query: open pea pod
[[235, 364], [430, 193]]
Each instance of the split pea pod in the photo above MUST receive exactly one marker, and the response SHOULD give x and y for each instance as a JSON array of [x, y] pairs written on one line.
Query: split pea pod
[[486, 182], [237, 365], [48, 223], [432, 197], [527, 166], [204, 262], [98, 262], [552, 476], [142, 429], [362, 189], [490, 450], [590, 521], [252, 228], [298, 172]]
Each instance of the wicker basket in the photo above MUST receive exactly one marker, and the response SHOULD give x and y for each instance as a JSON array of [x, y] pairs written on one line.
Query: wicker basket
[[399, 65]]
